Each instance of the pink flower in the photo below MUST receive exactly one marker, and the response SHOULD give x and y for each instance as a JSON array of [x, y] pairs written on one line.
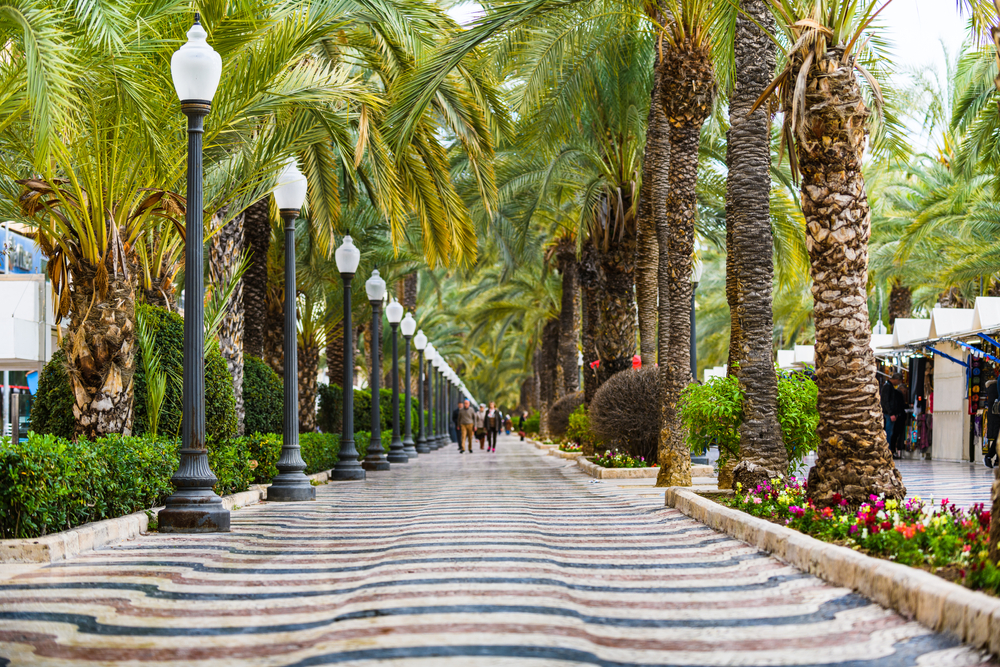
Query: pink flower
[[797, 511]]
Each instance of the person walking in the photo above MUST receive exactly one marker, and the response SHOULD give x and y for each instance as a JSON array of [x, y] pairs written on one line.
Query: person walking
[[992, 429], [508, 424], [466, 422], [494, 424], [481, 426], [520, 424], [454, 421], [894, 412]]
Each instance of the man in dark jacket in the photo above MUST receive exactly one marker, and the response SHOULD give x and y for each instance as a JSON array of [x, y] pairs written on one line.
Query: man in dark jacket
[[494, 424], [992, 424], [894, 411], [454, 421]]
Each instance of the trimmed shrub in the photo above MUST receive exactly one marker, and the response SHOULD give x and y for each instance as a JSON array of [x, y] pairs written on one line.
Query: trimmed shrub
[[362, 409], [329, 416], [625, 412], [263, 450], [533, 423], [263, 397], [560, 411], [578, 430], [52, 410]]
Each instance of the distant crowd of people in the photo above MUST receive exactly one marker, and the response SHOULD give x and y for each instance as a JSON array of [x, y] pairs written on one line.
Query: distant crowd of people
[[484, 424]]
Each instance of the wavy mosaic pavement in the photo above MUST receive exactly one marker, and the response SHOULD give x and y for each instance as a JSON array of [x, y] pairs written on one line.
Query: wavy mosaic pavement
[[504, 559]]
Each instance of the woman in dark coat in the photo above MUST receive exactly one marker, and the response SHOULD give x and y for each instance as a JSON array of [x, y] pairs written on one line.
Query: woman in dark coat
[[992, 423]]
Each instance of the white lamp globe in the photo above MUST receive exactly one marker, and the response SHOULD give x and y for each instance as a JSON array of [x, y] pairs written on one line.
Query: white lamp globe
[[195, 67], [408, 325], [348, 256], [290, 193], [394, 311], [420, 340], [375, 287], [696, 270], [430, 352]]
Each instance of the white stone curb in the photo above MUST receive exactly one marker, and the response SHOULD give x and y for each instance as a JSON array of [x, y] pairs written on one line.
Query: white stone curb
[[600, 472], [942, 606], [90, 536], [564, 455]]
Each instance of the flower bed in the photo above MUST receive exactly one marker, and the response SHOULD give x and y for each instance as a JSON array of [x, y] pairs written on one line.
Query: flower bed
[[616, 459], [570, 447], [946, 540]]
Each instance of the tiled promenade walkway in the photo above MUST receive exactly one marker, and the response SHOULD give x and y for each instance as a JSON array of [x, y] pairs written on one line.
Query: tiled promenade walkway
[[477, 560]]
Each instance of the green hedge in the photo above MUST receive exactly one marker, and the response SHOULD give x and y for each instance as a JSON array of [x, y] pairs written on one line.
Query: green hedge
[[52, 411], [331, 407], [263, 398]]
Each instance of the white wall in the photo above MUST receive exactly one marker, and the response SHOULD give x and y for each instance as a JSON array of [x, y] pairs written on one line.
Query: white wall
[[951, 407], [26, 322]]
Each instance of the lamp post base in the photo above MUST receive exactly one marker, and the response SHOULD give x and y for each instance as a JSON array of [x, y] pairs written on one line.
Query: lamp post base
[[291, 487], [398, 457], [376, 465], [410, 450], [347, 474], [197, 513], [422, 447]]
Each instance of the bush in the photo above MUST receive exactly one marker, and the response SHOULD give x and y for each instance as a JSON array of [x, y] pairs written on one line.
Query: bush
[[263, 398], [49, 484], [329, 416], [263, 450], [52, 410], [560, 411], [578, 430], [625, 413], [713, 412], [220, 401], [533, 423]]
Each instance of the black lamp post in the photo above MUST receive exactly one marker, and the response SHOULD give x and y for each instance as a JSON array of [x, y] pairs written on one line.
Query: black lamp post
[[395, 314], [420, 342], [407, 326], [194, 507], [432, 399], [438, 363], [376, 458], [291, 483], [348, 468]]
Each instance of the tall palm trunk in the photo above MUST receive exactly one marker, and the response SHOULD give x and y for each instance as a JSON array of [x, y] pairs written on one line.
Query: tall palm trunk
[[536, 381], [273, 353], [335, 355], [615, 332], [687, 77], [900, 301], [549, 359], [100, 348], [652, 209], [224, 251], [257, 235], [748, 214], [853, 458], [408, 292], [161, 293], [308, 367], [569, 321], [590, 288]]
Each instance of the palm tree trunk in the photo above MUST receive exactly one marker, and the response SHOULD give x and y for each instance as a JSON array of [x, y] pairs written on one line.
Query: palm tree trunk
[[408, 292], [548, 362], [161, 293], [100, 349], [257, 239], [615, 332], [748, 214], [853, 458], [335, 355], [569, 322], [590, 287], [308, 367], [224, 251], [900, 301], [652, 209], [687, 78], [536, 381], [274, 342]]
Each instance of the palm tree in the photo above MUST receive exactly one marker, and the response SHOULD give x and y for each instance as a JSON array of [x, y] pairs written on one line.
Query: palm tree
[[826, 122], [748, 215], [687, 78]]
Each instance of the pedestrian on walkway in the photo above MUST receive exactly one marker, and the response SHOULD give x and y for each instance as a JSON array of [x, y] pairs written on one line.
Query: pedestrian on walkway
[[507, 424], [494, 424], [481, 425], [520, 424], [466, 422], [894, 412], [454, 421], [992, 423]]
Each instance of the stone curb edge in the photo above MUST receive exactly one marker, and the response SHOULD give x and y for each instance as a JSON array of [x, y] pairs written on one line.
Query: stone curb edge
[[108, 532], [600, 472], [941, 605]]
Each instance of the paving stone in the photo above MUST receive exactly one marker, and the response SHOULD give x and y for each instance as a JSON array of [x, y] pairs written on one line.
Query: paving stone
[[452, 560]]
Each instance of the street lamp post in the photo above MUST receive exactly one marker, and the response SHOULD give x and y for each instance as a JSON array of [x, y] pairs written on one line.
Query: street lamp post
[[376, 458], [408, 326], [194, 507], [395, 314], [420, 342], [696, 269], [348, 468], [440, 393], [432, 415], [291, 483]]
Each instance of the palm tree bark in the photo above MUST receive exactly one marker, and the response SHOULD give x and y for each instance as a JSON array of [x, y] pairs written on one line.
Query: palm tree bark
[[308, 367], [569, 321], [548, 362], [688, 83], [335, 355], [853, 458], [224, 250], [161, 293], [748, 214], [100, 348], [590, 287], [273, 353], [616, 243], [257, 239], [408, 292], [900, 301], [652, 209]]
